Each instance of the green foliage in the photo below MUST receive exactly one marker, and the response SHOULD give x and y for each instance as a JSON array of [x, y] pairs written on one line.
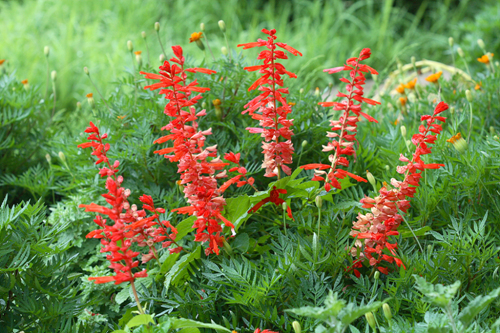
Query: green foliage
[[36, 290]]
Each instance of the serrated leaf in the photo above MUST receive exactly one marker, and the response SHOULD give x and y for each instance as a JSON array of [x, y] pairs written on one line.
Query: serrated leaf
[[352, 312], [179, 268]]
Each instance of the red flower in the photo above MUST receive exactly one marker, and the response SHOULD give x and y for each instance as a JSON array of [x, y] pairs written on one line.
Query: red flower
[[197, 172], [347, 124], [274, 197], [265, 107], [130, 225], [383, 221]]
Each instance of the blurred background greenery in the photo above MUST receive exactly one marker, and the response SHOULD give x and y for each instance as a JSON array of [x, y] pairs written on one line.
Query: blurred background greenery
[[94, 33]]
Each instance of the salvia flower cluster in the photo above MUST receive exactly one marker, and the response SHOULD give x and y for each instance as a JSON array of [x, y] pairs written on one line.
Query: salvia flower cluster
[[271, 108], [129, 224], [344, 130], [198, 174], [383, 221]]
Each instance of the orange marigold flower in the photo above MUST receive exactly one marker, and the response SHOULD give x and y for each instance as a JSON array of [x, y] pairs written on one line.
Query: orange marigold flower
[[216, 102], [434, 77], [120, 117], [411, 84], [2, 61], [137, 52], [401, 89], [485, 59], [291, 103], [454, 138], [403, 100], [478, 86], [89, 95], [195, 36], [25, 82]]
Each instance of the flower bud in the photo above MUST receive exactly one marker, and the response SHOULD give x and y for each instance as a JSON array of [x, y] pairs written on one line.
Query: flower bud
[[218, 110], [53, 75], [284, 206], [48, 158], [200, 44], [480, 42], [492, 130], [460, 52], [319, 201], [90, 99], [458, 142], [46, 51], [224, 50], [86, 70], [62, 157], [301, 91], [403, 131], [143, 34], [371, 179], [138, 57], [25, 84], [452, 109], [157, 26], [203, 104], [330, 85], [162, 58], [376, 276], [408, 142], [227, 247], [316, 92], [202, 26], [429, 249], [387, 311], [450, 41], [387, 167], [130, 46], [304, 144], [468, 95], [296, 327], [371, 320], [78, 106], [222, 26]]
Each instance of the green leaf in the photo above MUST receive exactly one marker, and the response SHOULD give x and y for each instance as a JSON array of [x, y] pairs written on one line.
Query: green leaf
[[142, 319], [184, 227], [123, 295], [236, 210], [183, 323], [189, 330], [179, 269], [405, 232], [437, 294], [241, 242], [352, 312], [475, 306]]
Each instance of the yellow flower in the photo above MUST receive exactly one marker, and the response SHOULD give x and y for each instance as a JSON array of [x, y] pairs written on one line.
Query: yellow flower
[[403, 100], [485, 59], [401, 89], [434, 77], [216, 102], [411, 84], [195, 36]]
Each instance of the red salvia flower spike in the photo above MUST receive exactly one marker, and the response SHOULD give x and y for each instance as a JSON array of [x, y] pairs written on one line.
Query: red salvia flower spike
[[376, 227], [129, 224], [343, 142], [197, 165], [270, 108]]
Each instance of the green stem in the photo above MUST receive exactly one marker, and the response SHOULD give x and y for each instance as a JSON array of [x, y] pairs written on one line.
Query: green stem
[[47, 80], [54, 108], [470, 124], [91, 81], [161, 44], [319, 220], [141, 310], [209, 48], [228, 49]]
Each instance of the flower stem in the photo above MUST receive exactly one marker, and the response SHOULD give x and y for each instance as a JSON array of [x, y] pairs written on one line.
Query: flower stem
[[47, 80], [54, 108], [141, 310], [161, 44], [470, 124], [91, 81]]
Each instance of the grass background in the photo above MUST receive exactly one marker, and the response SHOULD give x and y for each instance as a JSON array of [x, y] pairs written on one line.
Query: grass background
[[94, 33]]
